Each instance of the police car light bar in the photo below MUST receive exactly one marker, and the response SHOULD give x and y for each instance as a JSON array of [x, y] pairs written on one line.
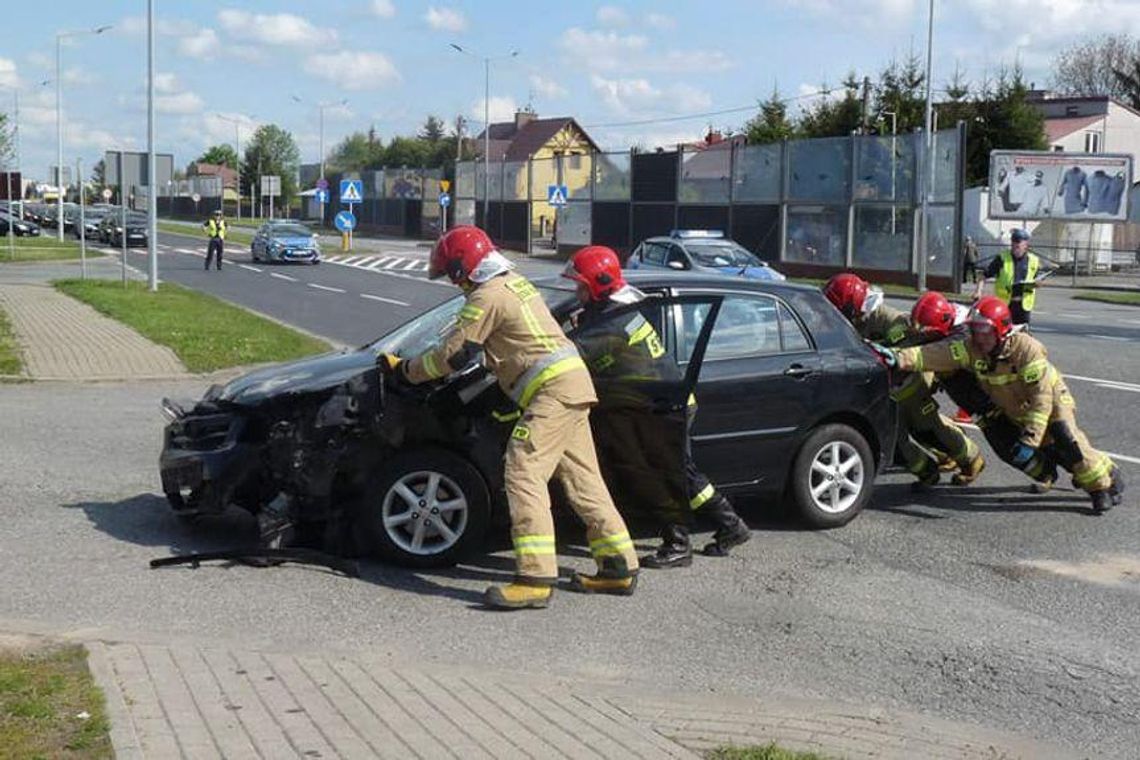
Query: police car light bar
[[688, 234]]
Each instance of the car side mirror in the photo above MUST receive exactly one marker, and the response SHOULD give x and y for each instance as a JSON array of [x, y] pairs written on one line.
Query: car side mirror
[[676, 264]]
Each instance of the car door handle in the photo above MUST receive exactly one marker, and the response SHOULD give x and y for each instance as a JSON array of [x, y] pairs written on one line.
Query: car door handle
[[799, 370]]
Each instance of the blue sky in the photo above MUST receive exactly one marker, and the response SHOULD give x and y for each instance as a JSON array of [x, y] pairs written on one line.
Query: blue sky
[[608, 64]]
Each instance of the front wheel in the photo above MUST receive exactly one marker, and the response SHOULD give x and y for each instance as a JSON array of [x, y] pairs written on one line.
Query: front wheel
[[426, 508], [832, 476]]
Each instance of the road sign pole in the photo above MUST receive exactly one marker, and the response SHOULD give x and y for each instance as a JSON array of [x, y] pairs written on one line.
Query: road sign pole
[[82, 220]]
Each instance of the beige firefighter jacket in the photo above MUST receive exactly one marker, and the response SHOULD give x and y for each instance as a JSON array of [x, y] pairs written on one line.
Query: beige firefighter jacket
[[1020, 380], [891, 327], [522, 345]]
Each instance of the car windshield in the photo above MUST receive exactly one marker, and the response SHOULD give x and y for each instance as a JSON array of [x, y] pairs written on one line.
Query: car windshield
[[721, 255], [425, 331], [289, 230], [135, 219]]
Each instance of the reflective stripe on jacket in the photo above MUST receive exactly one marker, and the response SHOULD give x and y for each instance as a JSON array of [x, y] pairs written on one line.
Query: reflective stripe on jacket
[[215, 228], [1003, 285]]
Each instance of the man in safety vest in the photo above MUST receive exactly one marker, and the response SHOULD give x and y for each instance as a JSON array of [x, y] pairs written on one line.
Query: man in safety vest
[[1014, 369], [921, 419], [506, 319], [215, 228], [1015, 273], [629, 350]]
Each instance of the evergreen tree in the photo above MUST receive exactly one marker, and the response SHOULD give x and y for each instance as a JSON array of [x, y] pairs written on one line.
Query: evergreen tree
[[433, 130], [356, 152], [835, 117], [1004, 119], [771, 124], [901, 90]]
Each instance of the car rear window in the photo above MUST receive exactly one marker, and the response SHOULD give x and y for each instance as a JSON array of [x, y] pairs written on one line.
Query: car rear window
[[290, 230]]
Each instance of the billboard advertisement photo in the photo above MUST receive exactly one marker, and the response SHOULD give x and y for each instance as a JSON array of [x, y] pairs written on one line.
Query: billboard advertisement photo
[[1072, 187]]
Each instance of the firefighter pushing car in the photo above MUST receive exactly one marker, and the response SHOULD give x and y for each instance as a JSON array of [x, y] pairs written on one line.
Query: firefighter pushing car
[[506, 320]]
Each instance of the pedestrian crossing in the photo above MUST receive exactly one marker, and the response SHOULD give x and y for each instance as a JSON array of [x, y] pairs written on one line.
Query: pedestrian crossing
[[380, 262]]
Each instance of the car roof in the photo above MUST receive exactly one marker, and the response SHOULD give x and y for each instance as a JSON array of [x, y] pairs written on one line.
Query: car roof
[[642, 278], [684, 241]]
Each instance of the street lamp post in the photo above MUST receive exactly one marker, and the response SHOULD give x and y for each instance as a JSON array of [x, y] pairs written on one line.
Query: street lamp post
[[321, 136], [486, 122], [59, 37], [16, 140], [928, 157], [151, 162], [237, 150], [894, 157]]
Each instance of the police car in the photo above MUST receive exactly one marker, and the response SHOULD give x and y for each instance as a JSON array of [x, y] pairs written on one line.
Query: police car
[[701, 251]]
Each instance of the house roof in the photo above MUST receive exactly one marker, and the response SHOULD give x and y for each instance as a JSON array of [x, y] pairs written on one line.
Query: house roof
[[1056, 129], [201, 169], [511, 143]]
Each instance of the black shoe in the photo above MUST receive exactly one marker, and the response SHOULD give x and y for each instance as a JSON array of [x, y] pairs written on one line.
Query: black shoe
[[675, 550], [1101, 501], [726, 538], [1116, 490]]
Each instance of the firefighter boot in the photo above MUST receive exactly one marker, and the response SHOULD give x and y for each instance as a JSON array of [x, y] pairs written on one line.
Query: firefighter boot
[[730, 531], [1101, 501], [518, 595], [1044, 474], [614, 577], [1117, 487], [675, 549], [927, 477], [969, 472]]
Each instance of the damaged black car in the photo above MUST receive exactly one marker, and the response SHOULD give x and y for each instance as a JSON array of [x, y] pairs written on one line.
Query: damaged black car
[[793, 407]]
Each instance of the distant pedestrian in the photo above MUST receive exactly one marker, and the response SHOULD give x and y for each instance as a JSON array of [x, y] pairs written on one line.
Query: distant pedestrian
[[970, 260], [1015, 273], [215, 228]]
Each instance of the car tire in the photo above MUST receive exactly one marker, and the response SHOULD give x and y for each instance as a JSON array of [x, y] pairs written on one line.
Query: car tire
[[838, 455], [391, 527]]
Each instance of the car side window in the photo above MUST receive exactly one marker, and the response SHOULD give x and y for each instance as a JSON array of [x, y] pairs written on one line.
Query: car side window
[[676, 254], [745, 326], [792, 334], [654, 253]]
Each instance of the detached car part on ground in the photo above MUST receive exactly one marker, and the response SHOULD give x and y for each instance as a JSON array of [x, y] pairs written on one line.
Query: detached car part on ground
[[792, 405]]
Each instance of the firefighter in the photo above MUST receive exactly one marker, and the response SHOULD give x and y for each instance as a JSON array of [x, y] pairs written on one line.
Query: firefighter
[[504, 317], [921, 419], [935, 318], [215, 228], [633, 351], [1014, 369]]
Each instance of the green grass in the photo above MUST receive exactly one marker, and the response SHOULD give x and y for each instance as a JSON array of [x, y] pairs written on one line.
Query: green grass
[[42, 695], [206, 333], [891, 289], [232, 235], [1126, 298], [43, 248], [765, 752], [10, 363]]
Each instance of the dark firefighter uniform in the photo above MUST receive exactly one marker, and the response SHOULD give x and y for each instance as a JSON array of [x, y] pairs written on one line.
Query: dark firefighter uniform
[[540, 369], [919, 411]]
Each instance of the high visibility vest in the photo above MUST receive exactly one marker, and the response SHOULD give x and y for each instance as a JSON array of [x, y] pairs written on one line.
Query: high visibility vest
[[1003, 286], [215, 229]]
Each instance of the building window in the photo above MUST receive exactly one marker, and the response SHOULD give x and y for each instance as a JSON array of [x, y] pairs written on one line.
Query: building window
[[1092, 142], [1072, 111], [575, 162], [1058, 148]]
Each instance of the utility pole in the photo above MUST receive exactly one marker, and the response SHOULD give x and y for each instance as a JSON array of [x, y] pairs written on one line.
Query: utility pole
[[866, 102], [458, 143], [151, 164], [927, 158]]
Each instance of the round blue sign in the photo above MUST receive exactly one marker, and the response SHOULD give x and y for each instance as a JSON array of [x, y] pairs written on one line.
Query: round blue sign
[[345, 221], [323, 183]]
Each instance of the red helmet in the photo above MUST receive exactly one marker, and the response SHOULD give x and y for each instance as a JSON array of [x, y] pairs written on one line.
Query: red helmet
[[848, 292], [933, 313], [458, 252], [992, 313], [598, 268]]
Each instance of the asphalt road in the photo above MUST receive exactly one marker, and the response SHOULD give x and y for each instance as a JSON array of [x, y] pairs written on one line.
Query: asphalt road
[[988, 604]]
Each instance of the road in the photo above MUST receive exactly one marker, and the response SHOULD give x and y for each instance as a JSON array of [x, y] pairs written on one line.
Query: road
[[988, 604]]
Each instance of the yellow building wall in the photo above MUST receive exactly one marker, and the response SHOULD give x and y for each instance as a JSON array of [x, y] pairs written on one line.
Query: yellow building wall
[[577, 166]]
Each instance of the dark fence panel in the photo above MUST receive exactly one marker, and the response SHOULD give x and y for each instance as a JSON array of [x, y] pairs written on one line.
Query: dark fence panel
[[703, 218], [654, 177], [610, 226], [413, 211], [515, 225], [757, 228], [652, 219]]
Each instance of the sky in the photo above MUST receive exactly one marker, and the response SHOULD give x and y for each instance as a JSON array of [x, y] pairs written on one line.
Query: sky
[[624, 70]]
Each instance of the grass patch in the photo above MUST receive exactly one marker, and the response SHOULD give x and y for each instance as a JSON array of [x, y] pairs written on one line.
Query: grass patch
[[205, 332], [10, 363], [764, 752], [43, 248], [1126, 298], [892, 290], [195, 231], [42, 695]]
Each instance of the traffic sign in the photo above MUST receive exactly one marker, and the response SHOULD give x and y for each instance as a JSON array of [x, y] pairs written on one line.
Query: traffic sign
[[322, 184], [351, 191], [321, 195], [195, 197], [107, 193], [444, 200], [556, 195], [345, 221], [445, 185]]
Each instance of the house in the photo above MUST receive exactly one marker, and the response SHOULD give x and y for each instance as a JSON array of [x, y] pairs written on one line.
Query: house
[[229, 177]]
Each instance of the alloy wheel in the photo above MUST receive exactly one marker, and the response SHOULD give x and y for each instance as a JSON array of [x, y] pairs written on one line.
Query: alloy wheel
[[837, 477], [424, 512]]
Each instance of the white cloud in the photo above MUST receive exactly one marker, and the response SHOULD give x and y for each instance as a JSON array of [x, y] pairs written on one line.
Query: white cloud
[[79, 76], [136, 25], [602, 50], [178, 103], [9, 77], [212, 129], [660, 21], [283, 29], [547, 88], [203, 44], [445, 19], [502, 108], [40, 60], [383, 8], [626, 97], [1053, 19], [702, 61], [610, 15], [165, 83], [354, 70]]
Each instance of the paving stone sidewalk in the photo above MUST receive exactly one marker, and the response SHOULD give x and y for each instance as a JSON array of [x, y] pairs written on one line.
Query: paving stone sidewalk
[[187, 701]]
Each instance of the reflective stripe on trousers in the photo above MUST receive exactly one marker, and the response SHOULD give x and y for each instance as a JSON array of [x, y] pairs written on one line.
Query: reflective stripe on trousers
[[545, 369]]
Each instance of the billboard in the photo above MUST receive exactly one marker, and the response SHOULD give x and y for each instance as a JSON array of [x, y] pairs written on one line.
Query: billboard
[[129, 169], [1071, 187]]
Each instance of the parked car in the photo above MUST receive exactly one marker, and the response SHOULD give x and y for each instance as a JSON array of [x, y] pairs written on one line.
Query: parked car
[[700, 251], [110, 228], [91, 219], [20, 227], [792, 405], [285, 241]]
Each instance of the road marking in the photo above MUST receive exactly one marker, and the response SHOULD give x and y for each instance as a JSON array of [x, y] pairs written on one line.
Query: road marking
[[1131, 321], [325, 287], [247, 266], [282, 277], [1037, 329], [366, 261], [350, 261], [1072, 315], [371, 297], [1117, 384], [187, 250], [1109, 337], [1123, 458]]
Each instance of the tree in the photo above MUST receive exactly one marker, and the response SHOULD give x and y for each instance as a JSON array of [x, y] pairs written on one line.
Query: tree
[[771, 124], [272, 151], [1003, 119], [433, 130], [99, 173], [834, 118], [901, 90], [356, 152], [1090, 67], [223, 155], [1129, 79]]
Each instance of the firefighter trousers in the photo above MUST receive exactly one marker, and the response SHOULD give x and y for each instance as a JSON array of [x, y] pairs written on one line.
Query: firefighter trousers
[[921, 418], [1091, 469], [704, 499], [553, 439]]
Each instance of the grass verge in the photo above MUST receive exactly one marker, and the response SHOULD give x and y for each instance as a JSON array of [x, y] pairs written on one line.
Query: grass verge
[[1126, 298], [892, 290], [10, 363], [764, 752], [50, 706], [43, 248], [206, 333], [195, 231]]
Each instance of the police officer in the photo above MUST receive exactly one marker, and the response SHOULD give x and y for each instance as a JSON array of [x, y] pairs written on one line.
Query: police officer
[[1014, 369], [631, 350], [879, 323], [215, 228], [1014, 273], [504, 317]]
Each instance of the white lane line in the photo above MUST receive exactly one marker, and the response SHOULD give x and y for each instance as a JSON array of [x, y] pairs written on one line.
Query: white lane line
[[1118, 384], [371, 297], [1110, 337], [186, 250], [282, 277], [1037, 329], [1131, 321], [351, 260], [1123, 458], [325, 287], [247, 266], [365, 261], [1072, 315]]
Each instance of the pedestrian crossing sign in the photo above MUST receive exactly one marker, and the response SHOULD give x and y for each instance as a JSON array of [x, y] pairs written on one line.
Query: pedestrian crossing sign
[[351, 191], [556, 195]]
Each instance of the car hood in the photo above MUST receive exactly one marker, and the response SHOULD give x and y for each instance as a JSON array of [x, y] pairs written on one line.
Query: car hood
[[315, 373], [294, 241], [752, 273]]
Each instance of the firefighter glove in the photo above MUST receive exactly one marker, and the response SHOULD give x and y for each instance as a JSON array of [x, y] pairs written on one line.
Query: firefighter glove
[[1021, 454], [388, 364], [888, 356]]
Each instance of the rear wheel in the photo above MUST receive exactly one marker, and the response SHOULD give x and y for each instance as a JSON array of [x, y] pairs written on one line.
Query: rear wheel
[[832, 476]]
